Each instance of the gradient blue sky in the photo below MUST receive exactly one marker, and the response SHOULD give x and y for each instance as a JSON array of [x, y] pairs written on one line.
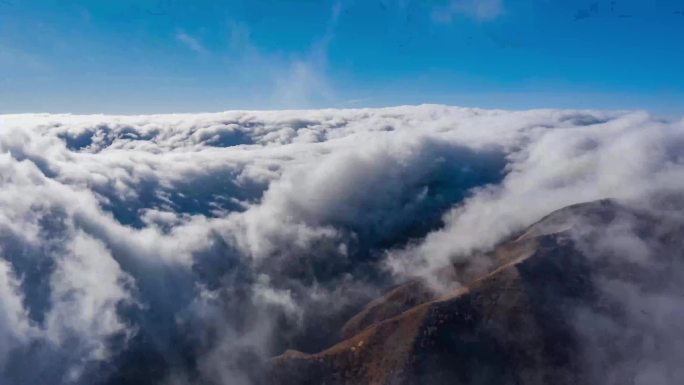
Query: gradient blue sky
[[149, 56]]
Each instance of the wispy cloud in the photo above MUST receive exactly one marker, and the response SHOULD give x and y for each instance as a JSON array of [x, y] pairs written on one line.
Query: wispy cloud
[[190, 41], [297, 80], [480, 10]]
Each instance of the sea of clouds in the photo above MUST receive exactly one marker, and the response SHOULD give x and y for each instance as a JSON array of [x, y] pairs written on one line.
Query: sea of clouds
[[190, 248]]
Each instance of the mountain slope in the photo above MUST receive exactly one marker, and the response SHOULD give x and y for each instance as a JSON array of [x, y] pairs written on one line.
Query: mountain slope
[[515, 324]]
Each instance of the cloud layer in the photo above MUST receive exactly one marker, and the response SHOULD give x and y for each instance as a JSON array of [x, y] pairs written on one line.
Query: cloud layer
[[178, 248]]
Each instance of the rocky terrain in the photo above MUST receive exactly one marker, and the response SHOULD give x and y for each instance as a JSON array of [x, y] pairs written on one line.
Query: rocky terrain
[[516, 323]]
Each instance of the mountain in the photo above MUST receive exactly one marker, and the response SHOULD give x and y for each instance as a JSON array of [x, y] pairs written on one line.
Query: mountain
[[538, 315]]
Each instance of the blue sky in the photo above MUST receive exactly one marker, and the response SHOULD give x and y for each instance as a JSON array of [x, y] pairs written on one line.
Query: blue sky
[[149, 56]]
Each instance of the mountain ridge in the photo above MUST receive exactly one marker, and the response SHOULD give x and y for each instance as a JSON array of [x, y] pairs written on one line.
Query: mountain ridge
[[511, 325]]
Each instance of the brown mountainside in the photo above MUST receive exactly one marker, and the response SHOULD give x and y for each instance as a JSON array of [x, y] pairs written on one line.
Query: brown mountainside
[[511, 325]]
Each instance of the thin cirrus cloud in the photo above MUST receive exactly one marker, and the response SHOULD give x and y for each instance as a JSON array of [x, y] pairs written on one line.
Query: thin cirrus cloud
[[234, 236], [480, 10], [190, 42], [296, 79]]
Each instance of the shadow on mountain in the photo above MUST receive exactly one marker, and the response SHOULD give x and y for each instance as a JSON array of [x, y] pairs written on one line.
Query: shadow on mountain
[[534, 318]]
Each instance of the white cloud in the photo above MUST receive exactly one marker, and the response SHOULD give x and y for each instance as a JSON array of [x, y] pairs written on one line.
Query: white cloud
[[303, 84], [87, 288], [627, 157], [190, 41], [237, 232], [293, 80], [15, 326]]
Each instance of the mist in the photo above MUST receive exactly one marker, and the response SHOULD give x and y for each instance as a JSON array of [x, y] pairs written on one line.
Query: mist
[[192, 248]]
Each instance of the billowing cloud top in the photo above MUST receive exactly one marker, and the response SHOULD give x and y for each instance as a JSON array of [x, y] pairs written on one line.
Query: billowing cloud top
[[173, 248]]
